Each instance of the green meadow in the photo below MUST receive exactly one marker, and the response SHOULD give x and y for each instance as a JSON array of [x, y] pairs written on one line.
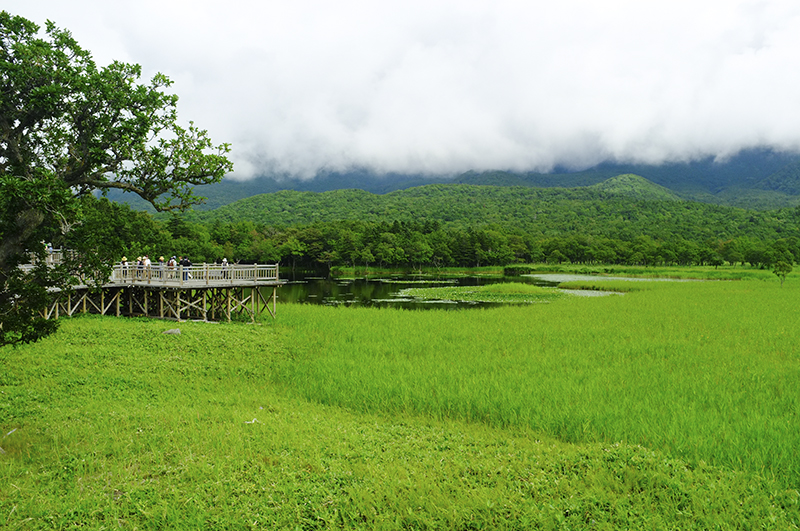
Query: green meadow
[[672, 406]]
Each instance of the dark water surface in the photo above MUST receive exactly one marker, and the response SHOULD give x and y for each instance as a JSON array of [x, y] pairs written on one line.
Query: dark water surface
[[384, 292]]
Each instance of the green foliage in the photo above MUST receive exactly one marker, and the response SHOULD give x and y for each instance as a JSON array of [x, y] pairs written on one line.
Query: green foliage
[[69, 128], [634, 187], [537, 212], [471, 226], [782, 269], [786, 180]]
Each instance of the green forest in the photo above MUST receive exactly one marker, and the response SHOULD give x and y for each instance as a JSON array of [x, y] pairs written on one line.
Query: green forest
[[624, 220]]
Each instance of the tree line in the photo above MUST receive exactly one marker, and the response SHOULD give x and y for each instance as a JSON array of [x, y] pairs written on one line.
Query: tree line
[[322, 246]]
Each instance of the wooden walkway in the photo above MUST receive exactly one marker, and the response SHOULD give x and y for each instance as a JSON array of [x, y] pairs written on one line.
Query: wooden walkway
[[204, 292]]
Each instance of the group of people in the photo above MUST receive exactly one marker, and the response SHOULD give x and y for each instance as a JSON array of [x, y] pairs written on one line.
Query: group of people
[[143, 267]]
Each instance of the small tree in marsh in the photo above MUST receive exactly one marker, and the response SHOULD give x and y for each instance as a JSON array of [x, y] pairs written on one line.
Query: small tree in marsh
[[782, 269], [69, 128]]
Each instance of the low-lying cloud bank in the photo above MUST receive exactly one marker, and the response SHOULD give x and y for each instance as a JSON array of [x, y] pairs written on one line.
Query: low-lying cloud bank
[[445, 87]]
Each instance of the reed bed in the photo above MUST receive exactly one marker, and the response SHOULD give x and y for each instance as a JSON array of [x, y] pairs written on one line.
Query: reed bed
[[707, 371], [510, 293]]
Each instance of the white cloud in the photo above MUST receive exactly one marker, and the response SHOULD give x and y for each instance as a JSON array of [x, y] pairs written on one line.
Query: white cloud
[[448, 86]]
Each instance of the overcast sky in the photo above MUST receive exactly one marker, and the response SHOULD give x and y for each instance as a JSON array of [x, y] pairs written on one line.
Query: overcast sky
[[446, 86]]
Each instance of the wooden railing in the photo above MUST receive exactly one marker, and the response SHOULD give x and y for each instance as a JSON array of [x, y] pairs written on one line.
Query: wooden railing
[[195, 275], [52, 256]]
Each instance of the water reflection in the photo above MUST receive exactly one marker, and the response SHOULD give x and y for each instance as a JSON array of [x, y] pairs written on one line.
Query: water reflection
[[383, 292]]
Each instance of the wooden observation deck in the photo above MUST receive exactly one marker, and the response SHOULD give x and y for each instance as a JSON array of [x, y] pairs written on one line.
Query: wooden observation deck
[[204, 292]]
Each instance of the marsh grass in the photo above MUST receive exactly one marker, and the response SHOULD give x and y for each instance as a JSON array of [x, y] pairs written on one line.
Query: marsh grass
[[726, 272], [674, 407], [511, 292], [606, 284], [707, 371]]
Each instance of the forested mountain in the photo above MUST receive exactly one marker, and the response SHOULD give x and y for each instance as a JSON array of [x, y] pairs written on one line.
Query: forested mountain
[[624, 208], [753, 179], [786, 180], [633, 187], [623, 220]]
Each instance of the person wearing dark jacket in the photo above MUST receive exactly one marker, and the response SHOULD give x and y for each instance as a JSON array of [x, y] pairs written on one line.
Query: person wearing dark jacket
[[187, 267]]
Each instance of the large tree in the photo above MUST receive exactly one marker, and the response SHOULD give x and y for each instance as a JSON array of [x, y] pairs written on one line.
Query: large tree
[[69, 128]]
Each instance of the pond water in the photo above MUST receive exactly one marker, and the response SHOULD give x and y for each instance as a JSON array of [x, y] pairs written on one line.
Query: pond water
[[384, 292]]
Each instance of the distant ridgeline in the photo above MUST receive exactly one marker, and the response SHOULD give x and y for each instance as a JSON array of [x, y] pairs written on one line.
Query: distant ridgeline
[[624, 220], [754, 179], [617, 219], [622, 207]]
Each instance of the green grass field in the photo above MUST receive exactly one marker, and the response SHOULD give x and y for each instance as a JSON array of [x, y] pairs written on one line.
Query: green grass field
[[671, 406]]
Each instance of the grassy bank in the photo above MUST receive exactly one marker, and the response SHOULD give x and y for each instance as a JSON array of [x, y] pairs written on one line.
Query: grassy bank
[[671, 407], [725, 272]]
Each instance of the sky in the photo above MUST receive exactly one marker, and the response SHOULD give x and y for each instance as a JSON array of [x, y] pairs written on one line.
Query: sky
[[442, 87]]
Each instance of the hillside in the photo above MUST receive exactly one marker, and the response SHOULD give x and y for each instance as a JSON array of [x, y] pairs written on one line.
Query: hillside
[[622, 208], [634, 187], [754, 179], [786, 180]]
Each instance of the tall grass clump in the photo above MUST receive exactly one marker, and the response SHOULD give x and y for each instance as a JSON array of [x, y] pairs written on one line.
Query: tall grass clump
[[707, 371]]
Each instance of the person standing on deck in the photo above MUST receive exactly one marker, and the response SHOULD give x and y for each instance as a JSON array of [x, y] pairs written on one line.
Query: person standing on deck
[[187, 266], [171, 265], [225, 268], [146, 265], [124, 266]]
